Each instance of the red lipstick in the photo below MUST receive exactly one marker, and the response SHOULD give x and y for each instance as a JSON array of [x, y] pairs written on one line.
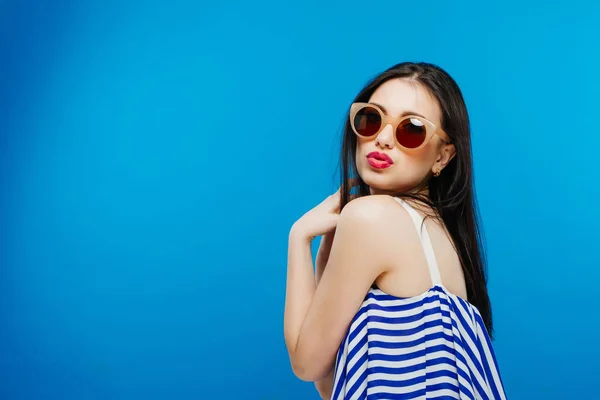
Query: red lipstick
[[379, 160]]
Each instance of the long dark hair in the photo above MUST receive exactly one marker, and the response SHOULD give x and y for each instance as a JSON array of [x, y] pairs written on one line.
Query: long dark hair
[[452, 194]]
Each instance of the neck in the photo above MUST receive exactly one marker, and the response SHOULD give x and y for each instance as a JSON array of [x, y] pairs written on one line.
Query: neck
[[424, 191]]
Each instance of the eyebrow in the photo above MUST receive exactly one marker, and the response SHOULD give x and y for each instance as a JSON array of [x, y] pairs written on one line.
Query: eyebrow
[[404, 114]]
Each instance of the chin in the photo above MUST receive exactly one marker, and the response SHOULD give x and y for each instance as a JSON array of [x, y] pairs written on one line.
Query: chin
[[381, 183]]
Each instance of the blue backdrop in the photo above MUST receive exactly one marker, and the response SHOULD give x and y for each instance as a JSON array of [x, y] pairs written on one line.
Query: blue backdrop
[[155, 154]]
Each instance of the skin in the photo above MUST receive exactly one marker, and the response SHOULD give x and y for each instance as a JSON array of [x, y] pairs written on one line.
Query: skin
[[372, 240]]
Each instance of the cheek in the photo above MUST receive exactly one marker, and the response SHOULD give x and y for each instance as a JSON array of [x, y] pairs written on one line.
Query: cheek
[[361, 144], [420, 161], [411, 166], [362, 149]]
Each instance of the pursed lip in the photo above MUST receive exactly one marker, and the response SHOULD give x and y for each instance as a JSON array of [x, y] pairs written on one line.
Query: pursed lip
[[380, 156]]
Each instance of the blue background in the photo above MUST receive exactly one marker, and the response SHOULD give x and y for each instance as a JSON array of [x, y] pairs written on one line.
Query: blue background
[[155, 154]]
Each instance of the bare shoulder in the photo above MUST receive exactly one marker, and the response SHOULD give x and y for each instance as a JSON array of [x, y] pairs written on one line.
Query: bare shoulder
[[369, 238], [374, 206], [377, 215]]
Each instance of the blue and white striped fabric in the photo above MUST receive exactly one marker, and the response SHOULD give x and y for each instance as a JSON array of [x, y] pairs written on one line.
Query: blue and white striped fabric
[[431, 346]]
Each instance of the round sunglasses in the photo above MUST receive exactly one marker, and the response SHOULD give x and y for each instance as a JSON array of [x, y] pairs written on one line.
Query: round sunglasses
[[411, 131]]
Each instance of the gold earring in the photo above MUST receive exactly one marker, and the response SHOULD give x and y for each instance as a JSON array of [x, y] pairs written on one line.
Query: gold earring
[[437, 173]]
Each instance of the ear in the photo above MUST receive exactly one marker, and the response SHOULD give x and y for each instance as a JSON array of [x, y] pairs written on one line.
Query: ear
[[446, 154]]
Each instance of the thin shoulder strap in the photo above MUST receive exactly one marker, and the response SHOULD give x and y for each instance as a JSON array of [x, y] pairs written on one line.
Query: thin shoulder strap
[[425, 242]]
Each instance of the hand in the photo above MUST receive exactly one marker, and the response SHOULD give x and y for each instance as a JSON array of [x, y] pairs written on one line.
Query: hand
[[320, 220]]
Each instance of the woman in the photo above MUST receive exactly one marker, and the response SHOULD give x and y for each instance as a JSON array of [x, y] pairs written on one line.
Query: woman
[[399, 307]]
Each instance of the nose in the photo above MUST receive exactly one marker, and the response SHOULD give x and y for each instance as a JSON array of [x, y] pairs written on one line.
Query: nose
[[385, 138]]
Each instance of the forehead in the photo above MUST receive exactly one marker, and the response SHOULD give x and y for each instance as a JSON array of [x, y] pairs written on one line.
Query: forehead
[[400, 95]]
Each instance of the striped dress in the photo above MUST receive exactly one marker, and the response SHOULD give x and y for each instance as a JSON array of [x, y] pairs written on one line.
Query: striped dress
[[431, 346]]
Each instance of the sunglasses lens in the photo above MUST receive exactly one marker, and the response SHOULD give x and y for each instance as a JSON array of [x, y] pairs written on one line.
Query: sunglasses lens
[[411, 133], [367, 121]]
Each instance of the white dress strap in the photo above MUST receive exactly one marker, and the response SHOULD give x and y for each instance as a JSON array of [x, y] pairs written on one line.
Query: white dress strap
[[434, 271]]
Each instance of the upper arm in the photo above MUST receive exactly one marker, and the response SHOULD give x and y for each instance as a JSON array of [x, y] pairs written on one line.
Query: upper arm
[[367, 230]]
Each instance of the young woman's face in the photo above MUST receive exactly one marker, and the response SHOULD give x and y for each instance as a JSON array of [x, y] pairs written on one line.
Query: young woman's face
[[408, 168]]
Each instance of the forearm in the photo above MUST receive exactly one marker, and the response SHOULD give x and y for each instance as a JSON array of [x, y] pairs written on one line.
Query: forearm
[[325, 385], [300, 288]]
